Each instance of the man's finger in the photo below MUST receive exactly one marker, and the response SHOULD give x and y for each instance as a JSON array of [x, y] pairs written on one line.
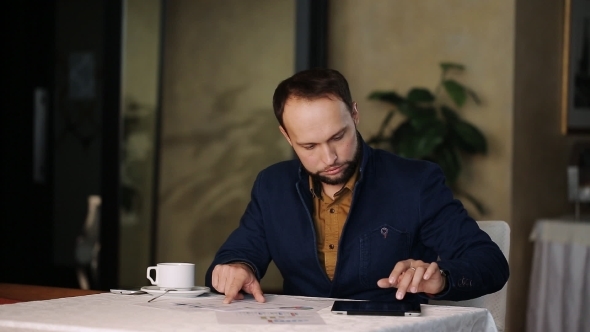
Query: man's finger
[[257, 292], [398, 269], [404, 283], [215, 277], [416, 279], [384, 283], [222, 279], [229, 298], [231, 292], [432, 269], [219, 278]]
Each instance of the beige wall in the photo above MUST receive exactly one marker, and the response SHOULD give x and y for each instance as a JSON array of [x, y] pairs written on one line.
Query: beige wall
[[223, 60]]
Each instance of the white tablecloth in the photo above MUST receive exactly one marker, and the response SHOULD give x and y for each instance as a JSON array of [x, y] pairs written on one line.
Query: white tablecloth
[[559, 293], [111, 312]]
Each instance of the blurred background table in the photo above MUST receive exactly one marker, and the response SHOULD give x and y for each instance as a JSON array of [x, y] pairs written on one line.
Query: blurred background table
[[559, 293], [13, 293]]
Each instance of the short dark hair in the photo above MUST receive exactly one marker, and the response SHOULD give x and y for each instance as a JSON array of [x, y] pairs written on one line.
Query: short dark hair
[[311, 84]]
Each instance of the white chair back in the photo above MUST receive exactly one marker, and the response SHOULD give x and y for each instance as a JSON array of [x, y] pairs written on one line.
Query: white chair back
[[499, 232]]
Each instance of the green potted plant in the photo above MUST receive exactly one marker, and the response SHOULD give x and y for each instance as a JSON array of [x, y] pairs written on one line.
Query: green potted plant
[[432, 129]]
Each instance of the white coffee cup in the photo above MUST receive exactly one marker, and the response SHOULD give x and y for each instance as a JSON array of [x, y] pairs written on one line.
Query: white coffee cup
[[179, 276]]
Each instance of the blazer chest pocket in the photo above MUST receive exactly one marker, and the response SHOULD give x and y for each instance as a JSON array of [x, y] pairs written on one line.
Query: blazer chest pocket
[[381, 248]]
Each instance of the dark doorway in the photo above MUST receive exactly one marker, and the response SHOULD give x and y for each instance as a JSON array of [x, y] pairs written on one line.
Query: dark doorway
[[26, 207], [51, 156]]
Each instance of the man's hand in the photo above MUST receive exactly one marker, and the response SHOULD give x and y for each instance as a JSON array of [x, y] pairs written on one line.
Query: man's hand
[[414, 277], [232, 278]]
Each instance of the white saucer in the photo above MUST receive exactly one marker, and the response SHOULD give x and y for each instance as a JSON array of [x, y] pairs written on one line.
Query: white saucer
[[193, 292]]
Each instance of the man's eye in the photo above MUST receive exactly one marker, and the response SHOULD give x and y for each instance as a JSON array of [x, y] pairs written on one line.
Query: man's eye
[[308, 147], [338, 137]]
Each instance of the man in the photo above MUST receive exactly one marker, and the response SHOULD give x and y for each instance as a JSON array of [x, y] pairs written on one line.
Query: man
[[349, 221]]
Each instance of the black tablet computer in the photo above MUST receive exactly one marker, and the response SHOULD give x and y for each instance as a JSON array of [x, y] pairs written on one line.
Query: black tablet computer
[[393, 308]]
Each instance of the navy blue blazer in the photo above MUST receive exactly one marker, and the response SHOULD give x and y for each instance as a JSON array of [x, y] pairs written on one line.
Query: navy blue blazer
[[406, 199]]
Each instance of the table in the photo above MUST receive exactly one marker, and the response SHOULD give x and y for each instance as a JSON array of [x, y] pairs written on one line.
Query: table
[[559, 291], [13, 293], [110, 312]]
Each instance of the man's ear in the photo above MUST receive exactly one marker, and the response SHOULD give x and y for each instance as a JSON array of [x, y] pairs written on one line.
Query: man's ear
[[284, 132], [355, 114]]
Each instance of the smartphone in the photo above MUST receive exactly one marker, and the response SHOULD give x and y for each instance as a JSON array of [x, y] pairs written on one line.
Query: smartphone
[[127, 291], [376, 308]]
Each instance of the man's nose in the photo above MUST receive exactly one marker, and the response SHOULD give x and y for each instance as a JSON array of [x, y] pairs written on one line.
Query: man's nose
[[330, 155]]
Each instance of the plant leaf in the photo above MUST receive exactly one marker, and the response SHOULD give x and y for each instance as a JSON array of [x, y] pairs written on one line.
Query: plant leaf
[[468, 138], [420, 95], [378, 138], [407, 109], [449, 114], [403, 140], [445, 66], [456, 91], [387, 96], [423, 117], [386, 121], [474, 96], [449, 160], [409, 142], [429, 139]]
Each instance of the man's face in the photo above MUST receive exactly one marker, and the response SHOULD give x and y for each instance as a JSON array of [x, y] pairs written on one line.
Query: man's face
[[323, 134]]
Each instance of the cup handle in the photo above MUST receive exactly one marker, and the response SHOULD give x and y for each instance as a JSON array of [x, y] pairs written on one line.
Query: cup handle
[[154, 282]]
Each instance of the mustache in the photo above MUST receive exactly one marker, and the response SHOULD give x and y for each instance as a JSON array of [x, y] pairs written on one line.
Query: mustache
[[336, 166]]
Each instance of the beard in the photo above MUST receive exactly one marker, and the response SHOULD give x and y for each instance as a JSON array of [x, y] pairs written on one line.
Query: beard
[[348, 171]]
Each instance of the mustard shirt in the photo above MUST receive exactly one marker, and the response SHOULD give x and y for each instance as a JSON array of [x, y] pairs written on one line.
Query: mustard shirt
[[329, 217]]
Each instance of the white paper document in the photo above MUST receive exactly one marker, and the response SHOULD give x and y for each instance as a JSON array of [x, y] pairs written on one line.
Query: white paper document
[[276, 309], [248, 304]]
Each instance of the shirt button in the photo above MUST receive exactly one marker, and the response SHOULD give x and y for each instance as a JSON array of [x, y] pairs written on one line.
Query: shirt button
[[332, 210], [331, 246]]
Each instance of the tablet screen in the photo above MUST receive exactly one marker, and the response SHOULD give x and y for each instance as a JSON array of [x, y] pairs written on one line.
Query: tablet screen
[[392, 308]]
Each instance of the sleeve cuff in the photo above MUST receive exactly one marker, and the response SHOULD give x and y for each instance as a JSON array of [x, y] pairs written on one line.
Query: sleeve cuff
[[249, 265]]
